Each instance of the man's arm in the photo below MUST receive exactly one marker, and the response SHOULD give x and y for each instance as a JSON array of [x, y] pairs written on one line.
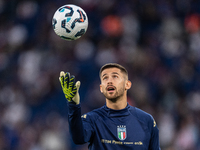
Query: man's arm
[[80, 132], [80, 127], [148, 120], [75, 123], [154, 142]]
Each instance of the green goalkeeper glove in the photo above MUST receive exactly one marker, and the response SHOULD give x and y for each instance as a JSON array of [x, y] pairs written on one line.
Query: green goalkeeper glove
[[70, 89]]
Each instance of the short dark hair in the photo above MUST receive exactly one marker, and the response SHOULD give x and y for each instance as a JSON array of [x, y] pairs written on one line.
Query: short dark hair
[[113, 65]]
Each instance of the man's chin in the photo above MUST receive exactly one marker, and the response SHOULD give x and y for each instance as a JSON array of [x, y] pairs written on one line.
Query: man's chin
[[112, 98]]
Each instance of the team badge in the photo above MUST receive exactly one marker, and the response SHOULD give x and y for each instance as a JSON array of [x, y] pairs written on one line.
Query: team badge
[[121, 131]]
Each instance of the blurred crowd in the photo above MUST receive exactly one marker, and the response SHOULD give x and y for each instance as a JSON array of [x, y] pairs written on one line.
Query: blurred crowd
[[158, 41]]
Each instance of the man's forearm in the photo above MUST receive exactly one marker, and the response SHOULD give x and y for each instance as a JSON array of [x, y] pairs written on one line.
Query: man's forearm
[[75, 123]]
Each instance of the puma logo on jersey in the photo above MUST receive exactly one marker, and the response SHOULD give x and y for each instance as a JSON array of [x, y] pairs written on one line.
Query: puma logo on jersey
[[154, 123], [84, 116]]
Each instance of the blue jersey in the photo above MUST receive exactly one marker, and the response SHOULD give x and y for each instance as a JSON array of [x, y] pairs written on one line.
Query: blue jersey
[[108, 129]]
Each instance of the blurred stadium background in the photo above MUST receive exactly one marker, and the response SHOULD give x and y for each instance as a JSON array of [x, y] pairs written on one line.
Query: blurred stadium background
[[158, 41]]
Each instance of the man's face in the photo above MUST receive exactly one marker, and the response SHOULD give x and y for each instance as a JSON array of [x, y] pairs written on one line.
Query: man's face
[[113, 83]]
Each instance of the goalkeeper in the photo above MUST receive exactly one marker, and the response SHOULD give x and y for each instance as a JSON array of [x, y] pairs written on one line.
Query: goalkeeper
[[114, 126]]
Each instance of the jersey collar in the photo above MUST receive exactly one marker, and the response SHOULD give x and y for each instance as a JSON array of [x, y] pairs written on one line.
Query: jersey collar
[[117, 113]]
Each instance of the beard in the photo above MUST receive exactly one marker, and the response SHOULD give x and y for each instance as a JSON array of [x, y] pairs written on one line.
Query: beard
[[114, 97]]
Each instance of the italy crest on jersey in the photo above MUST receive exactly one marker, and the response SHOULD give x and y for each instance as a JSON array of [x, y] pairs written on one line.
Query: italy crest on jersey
[[121, 131]]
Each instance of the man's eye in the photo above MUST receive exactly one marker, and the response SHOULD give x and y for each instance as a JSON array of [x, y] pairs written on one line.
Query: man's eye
[[105, 78]]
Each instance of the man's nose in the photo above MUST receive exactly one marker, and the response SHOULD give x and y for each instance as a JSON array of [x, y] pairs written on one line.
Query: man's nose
[[110, 81]]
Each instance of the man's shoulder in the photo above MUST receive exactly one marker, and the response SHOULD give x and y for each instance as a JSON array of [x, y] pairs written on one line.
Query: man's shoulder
[[141, 115], [94, 114], [97, 111]]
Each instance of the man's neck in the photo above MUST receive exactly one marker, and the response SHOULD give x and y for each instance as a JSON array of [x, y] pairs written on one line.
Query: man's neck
[[117, 105]]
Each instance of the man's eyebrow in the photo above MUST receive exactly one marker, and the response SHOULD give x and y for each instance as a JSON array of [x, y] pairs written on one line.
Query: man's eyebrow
[[104, 75]]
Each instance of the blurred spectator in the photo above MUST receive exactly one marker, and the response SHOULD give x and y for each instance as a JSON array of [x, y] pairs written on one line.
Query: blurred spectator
[[157, 41]]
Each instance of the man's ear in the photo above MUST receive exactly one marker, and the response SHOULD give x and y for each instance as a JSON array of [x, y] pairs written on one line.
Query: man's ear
[[101, 88], [128, 85]]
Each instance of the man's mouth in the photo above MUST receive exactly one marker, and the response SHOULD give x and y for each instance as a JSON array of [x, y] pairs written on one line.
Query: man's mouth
[[110, 88]]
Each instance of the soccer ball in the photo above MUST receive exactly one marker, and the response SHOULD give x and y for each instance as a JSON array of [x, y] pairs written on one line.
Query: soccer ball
[[70, 22]]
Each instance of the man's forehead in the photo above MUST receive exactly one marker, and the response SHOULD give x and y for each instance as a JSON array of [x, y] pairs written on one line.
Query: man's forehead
[[111, 71]]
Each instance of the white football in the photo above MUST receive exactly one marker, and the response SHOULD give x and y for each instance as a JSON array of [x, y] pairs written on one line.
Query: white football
[[70, 22]]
